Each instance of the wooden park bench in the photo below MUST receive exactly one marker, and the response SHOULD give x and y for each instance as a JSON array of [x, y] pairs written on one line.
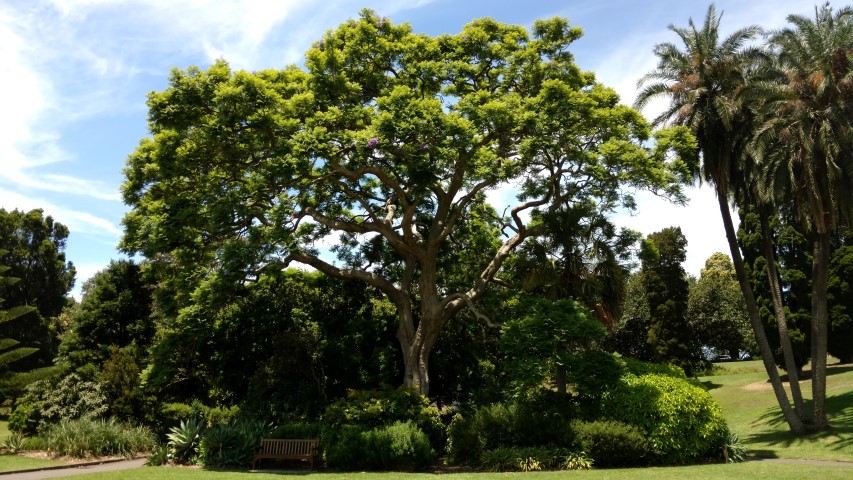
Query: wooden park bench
[[289, 449]]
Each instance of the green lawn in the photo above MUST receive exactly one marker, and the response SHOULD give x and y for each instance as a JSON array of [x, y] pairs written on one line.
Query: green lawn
[[751, 470], [751, 410], [11, 463]]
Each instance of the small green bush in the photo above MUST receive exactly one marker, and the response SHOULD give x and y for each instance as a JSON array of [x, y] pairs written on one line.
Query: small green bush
[[44, 403], [540, 419], [24, 418], [231, 445], [639, 368], [463, 441], [369, 409], [217, 415], [15, 443], [610, 443], [296, 430], [35, 443], [681, 421], [402, 446], [85, 437], [184, 440], [159, 456], [506, 459]]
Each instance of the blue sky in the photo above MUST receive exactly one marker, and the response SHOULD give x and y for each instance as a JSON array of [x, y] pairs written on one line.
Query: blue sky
[[75, 74]]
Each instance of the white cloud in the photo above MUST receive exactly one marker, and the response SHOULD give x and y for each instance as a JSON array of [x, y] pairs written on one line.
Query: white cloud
[[76, 221]]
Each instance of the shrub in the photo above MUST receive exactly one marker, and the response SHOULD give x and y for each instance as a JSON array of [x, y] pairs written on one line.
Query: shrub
[[35, 443], [463, 441], [541, 419], [639, 368], [217, 415], [734, 451], [87, 437], [15, 443], [369, 409], [184, 440], [159, 456], [682, 422], [610, 443], [45, 403], [25, 417], [231, 445], [522, 458], [296, 430], [577, 461], [402, 446]]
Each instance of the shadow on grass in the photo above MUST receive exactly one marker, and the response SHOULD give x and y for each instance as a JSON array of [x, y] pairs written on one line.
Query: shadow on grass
[[709, 385], [839, 409]]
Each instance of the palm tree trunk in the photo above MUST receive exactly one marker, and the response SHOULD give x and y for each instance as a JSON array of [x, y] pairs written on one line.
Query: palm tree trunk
[[781, 320], [794, 423], [820, 266]]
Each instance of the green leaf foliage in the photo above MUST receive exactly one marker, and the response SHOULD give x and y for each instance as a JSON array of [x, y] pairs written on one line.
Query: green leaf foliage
[[388, 140], [681, 421], [401, 446]]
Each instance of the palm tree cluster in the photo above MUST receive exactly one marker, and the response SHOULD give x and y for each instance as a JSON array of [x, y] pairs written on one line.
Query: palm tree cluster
[[772, 114]]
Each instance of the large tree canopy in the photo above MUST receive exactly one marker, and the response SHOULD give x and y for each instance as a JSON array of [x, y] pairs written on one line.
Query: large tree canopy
[[33, 251], [387, 144]]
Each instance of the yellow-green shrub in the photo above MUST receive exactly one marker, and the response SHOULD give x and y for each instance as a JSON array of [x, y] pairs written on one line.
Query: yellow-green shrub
[[681, 421]]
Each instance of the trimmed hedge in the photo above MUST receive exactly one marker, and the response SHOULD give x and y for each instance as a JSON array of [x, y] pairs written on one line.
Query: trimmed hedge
[[402, 446], [681, 421], [610, 443]]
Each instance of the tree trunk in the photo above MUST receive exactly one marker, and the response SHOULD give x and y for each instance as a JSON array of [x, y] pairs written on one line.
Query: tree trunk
[[820, 315], [416, 344], [781, 320], [794, 423]]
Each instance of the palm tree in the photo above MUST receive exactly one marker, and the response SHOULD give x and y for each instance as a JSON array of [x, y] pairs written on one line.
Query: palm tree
[[701, 83], [805, 142]]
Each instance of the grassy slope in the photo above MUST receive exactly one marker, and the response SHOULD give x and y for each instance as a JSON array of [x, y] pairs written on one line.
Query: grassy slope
[[751, 410], [752, 470]]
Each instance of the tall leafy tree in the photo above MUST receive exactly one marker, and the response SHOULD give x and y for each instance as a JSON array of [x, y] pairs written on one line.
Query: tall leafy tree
[[840, 344], [10, 349], [34, 252], [388, 141], [805, 142], [788, 287], [670, 336], [115, 312], [701, 79], [716, 309]]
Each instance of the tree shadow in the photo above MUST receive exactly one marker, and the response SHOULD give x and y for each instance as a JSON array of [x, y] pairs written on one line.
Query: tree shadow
[[839, 409], [709, 385]]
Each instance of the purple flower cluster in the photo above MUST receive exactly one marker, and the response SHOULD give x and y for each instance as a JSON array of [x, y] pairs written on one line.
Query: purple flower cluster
[[373, 142]]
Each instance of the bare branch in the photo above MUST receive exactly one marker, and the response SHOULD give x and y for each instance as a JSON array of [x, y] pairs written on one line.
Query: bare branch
[[462, 298]]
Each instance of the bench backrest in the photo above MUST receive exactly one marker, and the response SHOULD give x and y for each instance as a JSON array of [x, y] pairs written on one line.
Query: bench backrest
[[288, 447]]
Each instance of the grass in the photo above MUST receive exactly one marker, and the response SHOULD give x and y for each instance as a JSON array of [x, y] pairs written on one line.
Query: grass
[[752, 470], [11, 463], [750, 408]]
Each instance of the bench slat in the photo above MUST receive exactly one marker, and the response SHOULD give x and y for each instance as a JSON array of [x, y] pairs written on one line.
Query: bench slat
[[287, 449]]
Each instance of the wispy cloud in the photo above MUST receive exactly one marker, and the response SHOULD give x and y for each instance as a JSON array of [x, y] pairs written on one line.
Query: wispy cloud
[[77, 221]]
